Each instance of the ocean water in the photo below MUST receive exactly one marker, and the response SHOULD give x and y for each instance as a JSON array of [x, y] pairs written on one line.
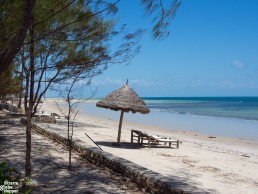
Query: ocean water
[[232, 107], [235, 117]]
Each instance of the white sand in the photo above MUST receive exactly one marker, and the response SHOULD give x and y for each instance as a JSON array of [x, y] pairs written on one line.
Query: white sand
[[217, 165]]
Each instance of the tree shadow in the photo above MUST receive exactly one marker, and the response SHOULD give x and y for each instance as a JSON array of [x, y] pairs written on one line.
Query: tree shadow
[[128, 145], [62, 122], [186, 183], [50, 166], [123, 145]]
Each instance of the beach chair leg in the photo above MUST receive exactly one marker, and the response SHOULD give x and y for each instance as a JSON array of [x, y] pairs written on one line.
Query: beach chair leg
[[169, 144], [149, 142], [131, 137], [177, 144]]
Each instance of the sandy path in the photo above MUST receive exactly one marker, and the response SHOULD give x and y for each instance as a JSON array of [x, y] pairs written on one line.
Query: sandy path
[[50, 161]]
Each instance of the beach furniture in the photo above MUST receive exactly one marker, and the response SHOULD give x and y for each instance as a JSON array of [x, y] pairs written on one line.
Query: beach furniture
[[140, 137], [58, 116], [5, 111], [124, 99]]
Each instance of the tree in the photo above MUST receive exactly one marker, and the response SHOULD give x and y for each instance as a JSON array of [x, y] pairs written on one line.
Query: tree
[[71, 91], [74, 50], [13, 37], [69, 38], [12, 40], [9, 82], [163, 16]]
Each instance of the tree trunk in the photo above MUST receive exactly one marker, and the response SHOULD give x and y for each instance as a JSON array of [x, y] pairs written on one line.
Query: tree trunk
[[30, 108], [70, 153], [21, 87], [8, 55], [28, 147], [69, 140]]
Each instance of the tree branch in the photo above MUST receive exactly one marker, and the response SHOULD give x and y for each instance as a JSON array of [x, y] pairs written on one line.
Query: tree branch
[[8, 55], [72, 22]]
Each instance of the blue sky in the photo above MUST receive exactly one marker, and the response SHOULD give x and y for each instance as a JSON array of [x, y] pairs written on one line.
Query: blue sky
[[212, 50]]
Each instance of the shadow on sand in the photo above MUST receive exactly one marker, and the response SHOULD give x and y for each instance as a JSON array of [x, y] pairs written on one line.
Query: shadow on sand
[[50, 161], [128, 145], [50, 165]]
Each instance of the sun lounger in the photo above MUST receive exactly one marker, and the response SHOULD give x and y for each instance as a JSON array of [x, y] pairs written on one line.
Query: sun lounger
[[58, 116], [5, 111], [139, 135], [151, 139]]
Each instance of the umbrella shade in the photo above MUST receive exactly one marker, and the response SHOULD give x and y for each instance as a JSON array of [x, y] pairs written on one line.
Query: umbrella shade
[[126, 100]]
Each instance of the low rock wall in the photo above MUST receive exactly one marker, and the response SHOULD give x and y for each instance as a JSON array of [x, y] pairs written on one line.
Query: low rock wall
[[39, 119], [9, 107], [151, 181], [44, 119]]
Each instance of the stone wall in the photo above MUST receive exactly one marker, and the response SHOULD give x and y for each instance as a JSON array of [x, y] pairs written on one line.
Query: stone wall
[[38, 118], [9, 107], [44, 119], [148, 180]]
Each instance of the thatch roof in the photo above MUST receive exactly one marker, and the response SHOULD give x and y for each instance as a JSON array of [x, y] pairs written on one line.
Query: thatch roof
[[124, 99]]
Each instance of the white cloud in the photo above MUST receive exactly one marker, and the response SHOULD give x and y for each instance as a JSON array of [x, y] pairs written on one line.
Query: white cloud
[[144, 83], [141, 82], [108, 81], [137, 82], [230, 84], [238, 64], [197, 83]]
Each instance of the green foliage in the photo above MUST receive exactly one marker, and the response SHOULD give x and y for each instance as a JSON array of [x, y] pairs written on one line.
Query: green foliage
[[10, 13], [9, 82], [67, 40], [28, 185], [5, 172], [71, 39], [29, 182], [162, 16], [27, 191]]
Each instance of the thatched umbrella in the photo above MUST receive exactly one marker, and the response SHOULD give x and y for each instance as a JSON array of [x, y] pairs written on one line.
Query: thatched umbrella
[[124, 99]]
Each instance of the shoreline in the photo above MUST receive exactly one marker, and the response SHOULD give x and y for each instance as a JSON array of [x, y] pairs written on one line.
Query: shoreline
[[144, 125], [199, 124], [212, 164]]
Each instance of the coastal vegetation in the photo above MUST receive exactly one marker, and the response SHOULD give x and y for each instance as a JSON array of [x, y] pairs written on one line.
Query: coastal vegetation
[[49, 44], [10, 82]]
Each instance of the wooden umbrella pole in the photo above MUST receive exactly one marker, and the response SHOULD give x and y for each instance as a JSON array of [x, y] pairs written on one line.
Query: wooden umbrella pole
[[120, 126]]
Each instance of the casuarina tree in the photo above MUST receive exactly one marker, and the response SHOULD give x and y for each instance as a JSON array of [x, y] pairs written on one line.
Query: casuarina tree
[[65, 39]]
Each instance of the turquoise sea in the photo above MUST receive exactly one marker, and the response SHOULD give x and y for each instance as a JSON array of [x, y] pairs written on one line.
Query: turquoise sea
[[233, 107], [235, 117]]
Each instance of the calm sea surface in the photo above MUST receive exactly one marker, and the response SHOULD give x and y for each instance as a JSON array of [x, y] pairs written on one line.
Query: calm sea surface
[[235, 117], [234, 107]]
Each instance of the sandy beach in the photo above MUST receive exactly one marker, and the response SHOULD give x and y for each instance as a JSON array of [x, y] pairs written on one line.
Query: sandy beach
[[215, 164], [49, 165]]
